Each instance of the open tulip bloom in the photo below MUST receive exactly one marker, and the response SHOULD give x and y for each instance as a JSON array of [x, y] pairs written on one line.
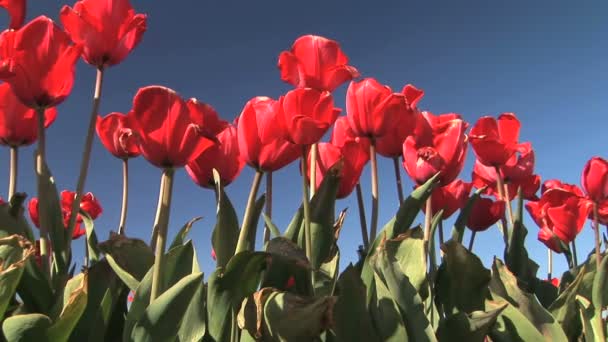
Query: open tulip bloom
[[413, 281]]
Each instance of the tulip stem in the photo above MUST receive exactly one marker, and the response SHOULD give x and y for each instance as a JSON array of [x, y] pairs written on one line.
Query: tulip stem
[[244, 243], [398, 179], [40, 164], [374, 164], [268, 205], [472, 241], [306, 208], [12, 181], [549, 264], [86, 153], [441, 237], [158, 211], [508, 203], [125, 197], [428, 218], [362, 218], [160, 225], [574, 255], [596, 226], [313, 169], [501, 193]]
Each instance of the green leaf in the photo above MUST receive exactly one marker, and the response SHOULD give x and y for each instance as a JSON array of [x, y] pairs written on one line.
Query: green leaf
[[129, 258], [504, 286], [226, 232], [15, 251], [274, 230], [34, 288], [473, 327], [26, 328], [463, 216], [180, 237], [288, 259], [162, 318], [512, 325], [295, 225], [599, 293], [11, 223], [462, 280], [94, 253], [407, 250], [76, 294], [51, 217], [564, 308], [385, 313], [327, 276], [588, 315], [257, 212], [352, 321], [193, 325]]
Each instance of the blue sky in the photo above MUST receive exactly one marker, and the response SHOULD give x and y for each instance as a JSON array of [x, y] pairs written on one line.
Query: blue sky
[[543, 60]]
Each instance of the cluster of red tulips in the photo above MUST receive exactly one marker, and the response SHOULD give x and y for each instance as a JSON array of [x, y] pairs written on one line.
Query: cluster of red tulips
[[38, 65]]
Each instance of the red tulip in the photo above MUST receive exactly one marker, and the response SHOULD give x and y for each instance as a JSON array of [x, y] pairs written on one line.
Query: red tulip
[[172, 132], [450, 198], [554, 282], [307, 115], [372, 107], [315, 62], [261, 140], [602, 209], [595, 179], [223, 157], [353, 157], [495, 141], [342, 133], [560, 211], [39, 61], [213, 255], [390, 144], [291, 282], [115, 131], [18, 123], [557, 184], [549, 239], [37, 254], [445, 151], [485, 213], [16, 11], [108, 30], [89, 204], [427, 123], [517, 172]]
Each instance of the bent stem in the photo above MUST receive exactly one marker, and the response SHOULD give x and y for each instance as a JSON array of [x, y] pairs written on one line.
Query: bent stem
[[306, 208], [362, 219], [313, 169], [86, 153], [40, 162], [125, 197], [243, 243], [374, 164], [12, 180], [596, 226], [398, 179], [161, 224], [268, 205]]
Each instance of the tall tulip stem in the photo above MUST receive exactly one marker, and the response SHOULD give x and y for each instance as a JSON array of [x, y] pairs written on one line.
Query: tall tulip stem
[[244, 243], [125, 197], [362, 219], [472, 241], [12, 180], [306, 208], [596, 226], [549, 264], [40, 164], [313, 169], [509, 207], [398, 179], [501, 193], [161, 223], [268, 205], [86, 153], [428, 218], [574, 254], [374, 164]]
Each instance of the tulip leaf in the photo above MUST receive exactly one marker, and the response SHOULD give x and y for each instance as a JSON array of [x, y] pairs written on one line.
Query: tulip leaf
[[293, 229], [407, 250], [589, 318], [274, 230], [257, 212], [564, 308], [75, 302], [385, 314], [226, 232], [13, 222], [463, 216], [26, 328], [462, 280], [327, 276], [15, 250], [129, 258], [180, 237], [352, 321], [193, 325], [512, 325], [504, 286], [473, 327], [93, 249], [288, 260], [34, 288], [162, 317], [51, 217]]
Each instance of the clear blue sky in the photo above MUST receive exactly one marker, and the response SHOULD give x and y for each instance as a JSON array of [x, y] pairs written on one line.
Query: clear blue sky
[[543, 60]]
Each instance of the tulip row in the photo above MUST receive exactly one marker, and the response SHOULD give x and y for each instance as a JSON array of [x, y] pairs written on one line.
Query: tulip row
[[37, 66]]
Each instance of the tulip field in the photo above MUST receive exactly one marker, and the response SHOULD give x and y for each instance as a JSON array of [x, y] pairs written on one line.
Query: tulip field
[[414, 279]]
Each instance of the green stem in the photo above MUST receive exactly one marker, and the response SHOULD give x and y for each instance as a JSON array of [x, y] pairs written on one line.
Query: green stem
[[268, 205], [306, 208], [398, 179], [125, 197], [596, 226], [313, 169], [472, 241], [244, 243], [12, 180], [158, 211], [574, 255], [40, 162], [441, 237], [86, 153], [502, 224], [509, 207], [160, 225], [374, 165], [428, 218], [362, 219], [549, 264]]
